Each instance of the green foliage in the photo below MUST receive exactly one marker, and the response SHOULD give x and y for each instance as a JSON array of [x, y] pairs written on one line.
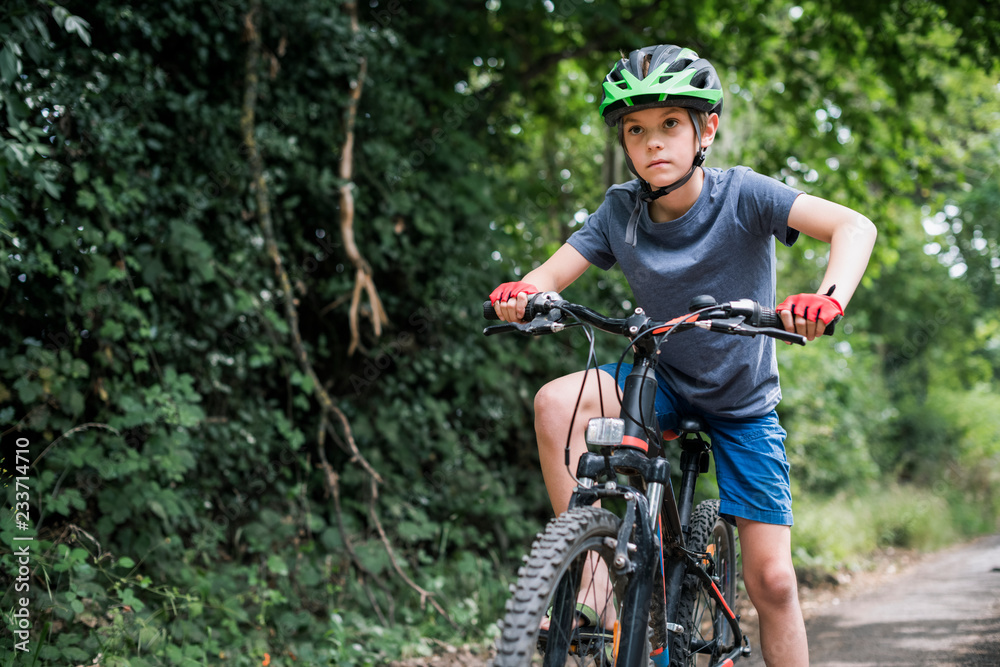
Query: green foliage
[[181, 512], [145, 303], [835, 413], [843, 530]]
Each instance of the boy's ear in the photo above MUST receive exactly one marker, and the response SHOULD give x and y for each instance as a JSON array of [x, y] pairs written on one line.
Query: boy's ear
[[711, 127]]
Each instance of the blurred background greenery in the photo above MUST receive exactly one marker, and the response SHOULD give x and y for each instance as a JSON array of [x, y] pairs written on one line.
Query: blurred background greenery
[[219, 479]]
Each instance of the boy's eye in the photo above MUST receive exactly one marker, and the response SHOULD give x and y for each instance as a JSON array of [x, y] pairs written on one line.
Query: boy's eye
[[671, 122], [633, 129]]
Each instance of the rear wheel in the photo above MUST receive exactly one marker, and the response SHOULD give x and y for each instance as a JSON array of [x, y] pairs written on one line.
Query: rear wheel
[[706, 632], [569, 561]]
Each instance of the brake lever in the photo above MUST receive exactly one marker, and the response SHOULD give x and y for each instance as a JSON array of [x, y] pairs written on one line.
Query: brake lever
[[738, 326], [780, 334], [720, 324], [495, 329], [549, 323]]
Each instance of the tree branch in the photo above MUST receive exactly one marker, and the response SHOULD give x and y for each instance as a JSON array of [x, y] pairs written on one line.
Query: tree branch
[[259, 186], [81, 427], [351, 445], [363, 281], [425, 596]]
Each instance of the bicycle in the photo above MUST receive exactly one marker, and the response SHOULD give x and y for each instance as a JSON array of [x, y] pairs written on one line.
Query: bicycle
[[671, 566]]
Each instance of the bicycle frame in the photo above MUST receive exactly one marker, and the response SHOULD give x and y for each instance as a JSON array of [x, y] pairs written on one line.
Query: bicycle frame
[[655, 521]]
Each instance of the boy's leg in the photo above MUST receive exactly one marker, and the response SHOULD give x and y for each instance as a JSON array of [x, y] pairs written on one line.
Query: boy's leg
[[554, 405], [771, 585], [753, 474]]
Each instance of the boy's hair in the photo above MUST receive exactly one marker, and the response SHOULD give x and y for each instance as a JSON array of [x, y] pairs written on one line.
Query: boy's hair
[[702, 116]]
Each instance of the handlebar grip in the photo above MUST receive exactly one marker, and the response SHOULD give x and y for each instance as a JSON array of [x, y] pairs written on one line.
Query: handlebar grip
[[539, 303], [770, 318], [488, 312]]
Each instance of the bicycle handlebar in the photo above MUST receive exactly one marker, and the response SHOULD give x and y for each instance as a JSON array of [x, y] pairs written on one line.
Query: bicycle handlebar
[[743, 317]]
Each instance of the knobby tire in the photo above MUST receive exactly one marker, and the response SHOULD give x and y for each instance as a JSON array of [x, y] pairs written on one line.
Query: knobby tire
[[706, 631], [547, 587]]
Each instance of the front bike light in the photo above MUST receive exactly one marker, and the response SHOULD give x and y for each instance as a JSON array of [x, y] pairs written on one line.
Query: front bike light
[[605, 431]]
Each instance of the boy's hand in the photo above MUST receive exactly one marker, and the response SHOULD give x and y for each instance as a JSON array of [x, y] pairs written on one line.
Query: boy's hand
[[808, 314], [510, 299]]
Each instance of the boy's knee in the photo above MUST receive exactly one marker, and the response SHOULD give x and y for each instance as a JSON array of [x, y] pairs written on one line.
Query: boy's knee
[[772, 585], [551, 398]]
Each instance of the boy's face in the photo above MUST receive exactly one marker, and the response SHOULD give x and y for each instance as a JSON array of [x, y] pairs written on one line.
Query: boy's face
[[661, 142]]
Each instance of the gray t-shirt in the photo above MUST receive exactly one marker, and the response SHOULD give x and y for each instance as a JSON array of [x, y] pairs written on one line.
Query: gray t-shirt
[[723, 246]]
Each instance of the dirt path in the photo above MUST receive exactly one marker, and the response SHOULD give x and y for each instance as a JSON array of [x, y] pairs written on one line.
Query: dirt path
[[941, 609]]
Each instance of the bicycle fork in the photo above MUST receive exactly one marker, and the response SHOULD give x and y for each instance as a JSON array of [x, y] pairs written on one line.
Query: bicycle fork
[[637, 547]]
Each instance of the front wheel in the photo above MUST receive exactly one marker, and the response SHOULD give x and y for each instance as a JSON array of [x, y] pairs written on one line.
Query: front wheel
[[706, 633], [570, 561]]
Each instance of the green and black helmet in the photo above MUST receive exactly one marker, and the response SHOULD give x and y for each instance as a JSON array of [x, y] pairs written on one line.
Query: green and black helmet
[[675, 77]]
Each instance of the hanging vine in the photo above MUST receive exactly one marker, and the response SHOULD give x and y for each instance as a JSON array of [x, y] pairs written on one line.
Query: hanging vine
[[364, 283]]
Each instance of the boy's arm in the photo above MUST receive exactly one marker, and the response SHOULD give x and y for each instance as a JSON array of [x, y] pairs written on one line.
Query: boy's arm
[[557, 273], [851, 237]]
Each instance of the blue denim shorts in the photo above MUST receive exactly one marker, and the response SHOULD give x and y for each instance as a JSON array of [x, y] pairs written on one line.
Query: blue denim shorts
[[751, 468]]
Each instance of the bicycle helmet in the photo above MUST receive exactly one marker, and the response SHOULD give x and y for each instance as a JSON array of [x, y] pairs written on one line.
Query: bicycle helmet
[[674, 77], [660, 76]]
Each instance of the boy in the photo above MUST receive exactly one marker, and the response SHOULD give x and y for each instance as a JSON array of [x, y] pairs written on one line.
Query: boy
[[678, 231]]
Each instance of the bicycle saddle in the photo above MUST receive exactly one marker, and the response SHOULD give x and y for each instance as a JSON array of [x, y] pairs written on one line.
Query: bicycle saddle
[[692, 424]]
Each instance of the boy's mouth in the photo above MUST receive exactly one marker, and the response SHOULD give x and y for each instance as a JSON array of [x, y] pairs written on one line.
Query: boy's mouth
[[656, 163]]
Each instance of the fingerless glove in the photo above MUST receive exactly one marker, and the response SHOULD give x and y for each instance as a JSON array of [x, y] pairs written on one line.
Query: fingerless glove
[[812, 307], [510, 290]]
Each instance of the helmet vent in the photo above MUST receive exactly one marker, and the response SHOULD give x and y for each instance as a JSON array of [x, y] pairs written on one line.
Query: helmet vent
[[664, 75]]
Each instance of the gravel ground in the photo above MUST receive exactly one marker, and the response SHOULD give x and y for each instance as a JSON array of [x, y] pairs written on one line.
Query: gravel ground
[[820, 596]]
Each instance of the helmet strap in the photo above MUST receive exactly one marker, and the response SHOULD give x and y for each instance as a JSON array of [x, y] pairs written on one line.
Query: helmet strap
[[648, 194]]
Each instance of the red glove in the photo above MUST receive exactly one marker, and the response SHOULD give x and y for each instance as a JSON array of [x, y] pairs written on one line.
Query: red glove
[[510, 290], [812, 307]]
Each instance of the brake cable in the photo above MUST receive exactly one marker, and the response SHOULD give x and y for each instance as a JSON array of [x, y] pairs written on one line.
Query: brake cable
[[591, 356]]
